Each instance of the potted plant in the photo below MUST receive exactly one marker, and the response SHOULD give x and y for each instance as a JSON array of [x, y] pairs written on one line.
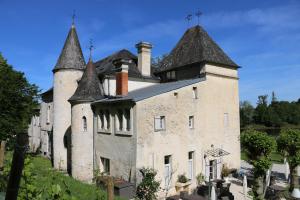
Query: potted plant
[[182, 183], [200, 179], [225, 172]]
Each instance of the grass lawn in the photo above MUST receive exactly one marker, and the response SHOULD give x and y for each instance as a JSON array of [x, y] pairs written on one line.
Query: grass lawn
[[275, 157], [46, 177]]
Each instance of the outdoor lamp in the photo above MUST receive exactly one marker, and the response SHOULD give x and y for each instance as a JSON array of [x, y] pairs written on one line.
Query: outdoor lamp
[[296, 193]]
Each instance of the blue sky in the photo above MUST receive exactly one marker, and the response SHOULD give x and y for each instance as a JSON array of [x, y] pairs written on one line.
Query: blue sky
[[261, 36]]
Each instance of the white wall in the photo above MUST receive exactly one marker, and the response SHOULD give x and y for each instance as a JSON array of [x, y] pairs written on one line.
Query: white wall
[[133, 84], [217, 95], [65, 84], [82, 143]]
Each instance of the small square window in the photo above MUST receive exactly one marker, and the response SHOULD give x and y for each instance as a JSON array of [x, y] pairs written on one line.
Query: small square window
[[105, 165], [159, 123], [195, 93], [191, 122]]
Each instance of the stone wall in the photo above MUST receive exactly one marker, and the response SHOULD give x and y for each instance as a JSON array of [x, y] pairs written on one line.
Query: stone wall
[[65, 84]]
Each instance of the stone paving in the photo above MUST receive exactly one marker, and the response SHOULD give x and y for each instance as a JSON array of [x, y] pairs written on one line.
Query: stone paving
[[278, 170]]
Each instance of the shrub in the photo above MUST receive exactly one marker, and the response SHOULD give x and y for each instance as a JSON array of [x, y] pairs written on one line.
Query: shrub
[[182, 178], [147, 189], [200, 178], [225, 171]]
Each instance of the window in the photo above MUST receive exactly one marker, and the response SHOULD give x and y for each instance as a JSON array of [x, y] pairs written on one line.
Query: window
[[226, 120], [212, 169], [84, 123], [191, 122], [127, 117], [168, 171], [195, 93], [105, 165], [190, 165], [107, 120], [101, 120], [120, 120], [48, 115], [159, 123], [171, 75]]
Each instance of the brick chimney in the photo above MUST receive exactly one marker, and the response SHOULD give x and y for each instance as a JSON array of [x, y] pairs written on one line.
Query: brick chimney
[[144, 58], [122, 76]]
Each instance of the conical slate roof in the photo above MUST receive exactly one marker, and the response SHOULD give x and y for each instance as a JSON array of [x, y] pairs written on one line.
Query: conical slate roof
[[89, 87], [195, 46], [71, 56]]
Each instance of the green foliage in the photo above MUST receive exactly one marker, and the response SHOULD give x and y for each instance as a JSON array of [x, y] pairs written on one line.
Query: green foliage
[[148, 188], [28, 189], [225, 171], [258, 147], [182, 178], [18, 100], [39, 177], [288, 144], [246, 113], [200, 178], [275, 114], [257, 144]]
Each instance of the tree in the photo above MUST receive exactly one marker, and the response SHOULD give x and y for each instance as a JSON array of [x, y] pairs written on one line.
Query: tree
[[148, 188], [258, 147], [261, 110], [274, 98], [246, 113], [18, 100], [288, 143]]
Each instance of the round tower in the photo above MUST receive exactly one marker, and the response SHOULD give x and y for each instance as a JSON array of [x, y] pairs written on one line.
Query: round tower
[[67, 72], [89, 90]]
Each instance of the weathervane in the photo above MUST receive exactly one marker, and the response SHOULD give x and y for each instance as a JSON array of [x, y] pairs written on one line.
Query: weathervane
[[91, 48], [198, 14], [188, 18], [73, 17]]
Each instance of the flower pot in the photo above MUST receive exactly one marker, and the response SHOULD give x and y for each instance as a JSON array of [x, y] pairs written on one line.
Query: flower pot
[[180, 187]]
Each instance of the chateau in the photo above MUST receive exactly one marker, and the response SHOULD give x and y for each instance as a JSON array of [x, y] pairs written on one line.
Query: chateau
[[120, 114]]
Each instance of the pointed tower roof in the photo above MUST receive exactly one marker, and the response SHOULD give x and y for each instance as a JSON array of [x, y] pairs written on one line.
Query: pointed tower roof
[[71, 56], [195, 46], [89, 87]]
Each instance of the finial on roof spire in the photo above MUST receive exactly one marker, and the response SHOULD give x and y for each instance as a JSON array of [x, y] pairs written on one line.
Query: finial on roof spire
[[73, 18], [91, 48], [198, 14], [188, 18]]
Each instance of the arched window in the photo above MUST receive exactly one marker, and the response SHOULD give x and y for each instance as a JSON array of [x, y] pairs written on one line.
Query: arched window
[[120, 120], [84, 123], [48, 115]]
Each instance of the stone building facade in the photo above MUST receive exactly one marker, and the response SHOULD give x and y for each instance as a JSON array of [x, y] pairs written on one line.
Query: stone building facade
[[121, 114]]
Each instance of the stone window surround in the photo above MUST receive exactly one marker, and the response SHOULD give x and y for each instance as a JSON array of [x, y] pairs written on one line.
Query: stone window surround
[[191, 122], [162, 122], [113, 112], [106, 121]]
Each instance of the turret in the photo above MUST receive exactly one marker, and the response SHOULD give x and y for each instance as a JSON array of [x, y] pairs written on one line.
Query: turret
[[89, 90], [67, 72]]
